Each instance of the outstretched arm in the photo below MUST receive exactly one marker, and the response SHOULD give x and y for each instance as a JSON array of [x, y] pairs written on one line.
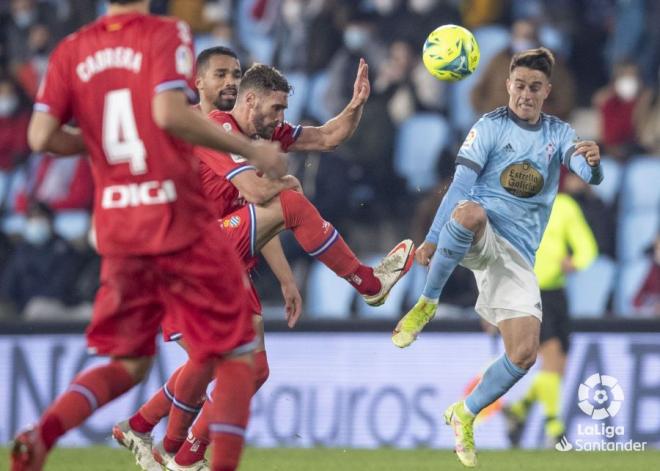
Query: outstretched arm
[[274, 255], [338, 129]]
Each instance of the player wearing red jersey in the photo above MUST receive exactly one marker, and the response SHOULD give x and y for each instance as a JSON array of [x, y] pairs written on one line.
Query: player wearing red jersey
[[123, 79], [218, 70]]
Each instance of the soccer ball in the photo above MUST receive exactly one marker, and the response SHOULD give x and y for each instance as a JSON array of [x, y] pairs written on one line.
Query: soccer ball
[[451, 53]]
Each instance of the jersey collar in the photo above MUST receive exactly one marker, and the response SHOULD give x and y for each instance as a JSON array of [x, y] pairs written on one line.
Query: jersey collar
[[522, 123]]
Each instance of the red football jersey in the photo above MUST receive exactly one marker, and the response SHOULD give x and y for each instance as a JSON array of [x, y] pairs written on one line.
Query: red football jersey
[[218, 168], [148, 194]]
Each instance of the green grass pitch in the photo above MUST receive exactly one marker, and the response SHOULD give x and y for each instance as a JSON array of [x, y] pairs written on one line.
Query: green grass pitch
[[110, 459]]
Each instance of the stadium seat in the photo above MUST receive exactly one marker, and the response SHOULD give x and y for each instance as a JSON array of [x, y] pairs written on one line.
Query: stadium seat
[[394, 304], [328, 296], [608, 190], [640, 188], [631, 278], [588, 291], [636, 232], [492, 39], [419, 142], [72, 225]]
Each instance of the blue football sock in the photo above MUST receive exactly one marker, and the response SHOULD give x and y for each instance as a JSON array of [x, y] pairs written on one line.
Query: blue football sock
[[454, 242], [497, 380]]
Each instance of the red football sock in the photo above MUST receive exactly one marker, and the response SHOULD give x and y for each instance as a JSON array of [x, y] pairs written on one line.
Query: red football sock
[[155, 408], [194, 448], [191, 384], [230, 412], [321, 240], [89, 391]]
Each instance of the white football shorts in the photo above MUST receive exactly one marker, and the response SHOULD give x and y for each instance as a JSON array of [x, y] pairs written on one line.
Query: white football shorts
[[508, 287]]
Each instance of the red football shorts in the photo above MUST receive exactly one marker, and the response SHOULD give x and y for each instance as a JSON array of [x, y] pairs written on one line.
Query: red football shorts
[[201, 289], [240, 229]]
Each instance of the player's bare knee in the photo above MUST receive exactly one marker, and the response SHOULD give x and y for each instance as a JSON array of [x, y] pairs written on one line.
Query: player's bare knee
[[470, 215], [136, 367], [524, 354]]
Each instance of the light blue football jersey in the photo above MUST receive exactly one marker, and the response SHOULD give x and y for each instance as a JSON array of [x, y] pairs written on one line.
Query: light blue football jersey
[[518, 172]]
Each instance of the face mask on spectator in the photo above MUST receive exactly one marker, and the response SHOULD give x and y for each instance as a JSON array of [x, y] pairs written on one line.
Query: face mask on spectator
[[355, 38], [23, 19], [37, 231], [384, 7], [522, 44], [8, 104], [422, 6], [292, 11], [626, 87]]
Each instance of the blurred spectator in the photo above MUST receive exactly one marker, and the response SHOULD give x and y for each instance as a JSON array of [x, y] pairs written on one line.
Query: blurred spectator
[[422, 17], [220, 31], [291, 37], [647, 299], [30, 71], [648, 123], [26, 14], [359, 41], [477, 13], [592, 21], [406, 85], [191, 11], [621, 104], [42, 265], [15, 113], [325, 34], [490, 91], [62, 183]]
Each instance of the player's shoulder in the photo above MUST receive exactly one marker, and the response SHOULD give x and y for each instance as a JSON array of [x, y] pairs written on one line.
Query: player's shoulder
[[554, 122], [225, 119], [557, 128], [498, 114]]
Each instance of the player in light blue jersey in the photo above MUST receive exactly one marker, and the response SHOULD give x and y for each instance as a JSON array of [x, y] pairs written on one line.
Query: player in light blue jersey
[[491, 221]]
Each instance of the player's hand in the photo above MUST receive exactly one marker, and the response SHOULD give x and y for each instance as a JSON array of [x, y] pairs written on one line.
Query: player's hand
[[268, 157], [292, 303], [361, 87], [424, 253], [590, 150]]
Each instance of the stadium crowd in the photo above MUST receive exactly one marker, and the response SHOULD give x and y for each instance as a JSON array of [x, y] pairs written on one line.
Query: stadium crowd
[[386, 182]]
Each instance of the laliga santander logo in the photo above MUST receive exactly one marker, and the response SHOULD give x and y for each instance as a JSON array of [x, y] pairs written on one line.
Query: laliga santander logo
[[600, 396]]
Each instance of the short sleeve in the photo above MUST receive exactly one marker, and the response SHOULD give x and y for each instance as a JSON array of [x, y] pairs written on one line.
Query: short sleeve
[[286, 135], [477, 146], [568, 138], [173, 59], [54, 96], [223, 164]]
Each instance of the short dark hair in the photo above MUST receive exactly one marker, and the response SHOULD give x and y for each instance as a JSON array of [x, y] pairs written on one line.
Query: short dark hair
[[124, 2], [540, 58], [265, 78], [204, 56]]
